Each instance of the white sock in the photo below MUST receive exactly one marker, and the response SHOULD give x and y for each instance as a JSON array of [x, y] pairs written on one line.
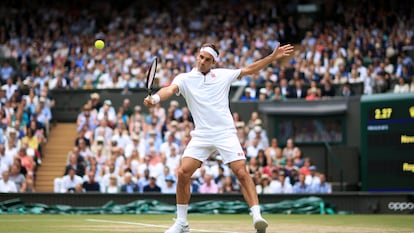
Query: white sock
[[255, 211], [182, 213]]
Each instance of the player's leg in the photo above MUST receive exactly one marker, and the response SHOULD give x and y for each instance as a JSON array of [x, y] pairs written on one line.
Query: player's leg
[[187, 167], [197, 150], [249, 193], [232, 153], [247, 186]]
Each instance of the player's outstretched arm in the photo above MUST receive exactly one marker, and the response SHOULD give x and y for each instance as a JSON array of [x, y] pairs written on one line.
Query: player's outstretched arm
[[278, 52], [163, 94]]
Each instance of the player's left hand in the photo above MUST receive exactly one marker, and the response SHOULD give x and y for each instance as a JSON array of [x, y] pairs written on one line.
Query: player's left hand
[[283, 51]]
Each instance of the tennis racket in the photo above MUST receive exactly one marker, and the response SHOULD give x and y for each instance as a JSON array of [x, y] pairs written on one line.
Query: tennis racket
[[151, 75]]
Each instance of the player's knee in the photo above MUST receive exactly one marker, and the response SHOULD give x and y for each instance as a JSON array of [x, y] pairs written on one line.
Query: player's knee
[[183, 174], [242, 175]]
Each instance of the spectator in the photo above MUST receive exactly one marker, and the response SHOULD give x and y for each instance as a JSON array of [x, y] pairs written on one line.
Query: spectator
[[173, 160], [382, 80], [32, 141], [27, 160], [87, 119], [229, 186], [108, 171], [135, 144], [301, 186], [305, 169], [6, 160], [253, 166], [264, 186], [288, 149], [283, 185], [71, 182], [263, 94], [169, 186], [113, 186], [312, 95], [104, 130], [274, 152], [328, 90], [195, 184], [285, 90], [269, 87], [136, 121], [175, 110], [6, 185], [401, 86], [347, 90], [91, 185], [96, 102], [129, 185], [18, 178], [247, 96], [152, 187], [82, 134], [314, 92], [263, 161], [322, 186], [133, 163], [277, 94], [312, 178], [17, 161], [9, 87], [219, 168], [259, 134], [84, 150], [107, 113], [44, 114], [76, 164], [297, 159], [209, 185], [6, 71], [299, 91]]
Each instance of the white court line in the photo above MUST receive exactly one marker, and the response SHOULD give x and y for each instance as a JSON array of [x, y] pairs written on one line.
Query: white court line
[[151, 225]]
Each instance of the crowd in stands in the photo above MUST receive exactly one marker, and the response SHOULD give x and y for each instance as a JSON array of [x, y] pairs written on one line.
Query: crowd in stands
[[119, 149], [355, 50], [25, 122], [127, 151]]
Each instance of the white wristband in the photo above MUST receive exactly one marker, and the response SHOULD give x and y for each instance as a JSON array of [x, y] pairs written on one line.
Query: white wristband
[[156, 98]]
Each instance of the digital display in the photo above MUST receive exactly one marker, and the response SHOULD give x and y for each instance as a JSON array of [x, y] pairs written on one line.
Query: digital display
[[387, 142]]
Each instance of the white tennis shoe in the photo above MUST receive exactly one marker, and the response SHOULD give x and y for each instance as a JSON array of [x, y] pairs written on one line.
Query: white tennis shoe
[[179, 228], [260, 224]]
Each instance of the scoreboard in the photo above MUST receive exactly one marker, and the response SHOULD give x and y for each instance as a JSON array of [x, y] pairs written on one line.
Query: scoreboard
[[387, 142]]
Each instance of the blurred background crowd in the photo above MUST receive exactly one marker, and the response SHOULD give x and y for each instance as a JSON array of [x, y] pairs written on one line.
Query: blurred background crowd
[[46, 47]]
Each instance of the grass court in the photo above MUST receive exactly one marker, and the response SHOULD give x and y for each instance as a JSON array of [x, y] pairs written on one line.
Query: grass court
[[205, 223]]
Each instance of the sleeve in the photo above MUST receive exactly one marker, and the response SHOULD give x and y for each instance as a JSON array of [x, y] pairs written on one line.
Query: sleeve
[[178, 80], [230, 74], [236, 74]]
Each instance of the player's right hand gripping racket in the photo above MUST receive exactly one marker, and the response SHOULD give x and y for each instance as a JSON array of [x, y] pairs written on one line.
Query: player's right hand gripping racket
[[151, 75]]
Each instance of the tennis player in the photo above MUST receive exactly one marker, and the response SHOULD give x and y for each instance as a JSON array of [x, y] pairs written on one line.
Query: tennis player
[[206, 92]]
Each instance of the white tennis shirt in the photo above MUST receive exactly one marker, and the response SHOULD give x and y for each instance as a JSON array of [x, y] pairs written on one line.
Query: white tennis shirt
[[207, 98]]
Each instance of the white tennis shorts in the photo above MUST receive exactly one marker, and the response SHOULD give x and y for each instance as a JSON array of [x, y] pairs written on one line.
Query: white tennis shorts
[[226, 143]]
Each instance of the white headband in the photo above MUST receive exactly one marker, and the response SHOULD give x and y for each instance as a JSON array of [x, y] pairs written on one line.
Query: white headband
[[210, 51]]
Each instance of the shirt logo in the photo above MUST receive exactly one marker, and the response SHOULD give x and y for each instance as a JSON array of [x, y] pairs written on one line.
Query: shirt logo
[[213, 75]]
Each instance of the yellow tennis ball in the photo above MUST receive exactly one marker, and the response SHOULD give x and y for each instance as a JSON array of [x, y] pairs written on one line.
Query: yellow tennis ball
[[99, 44]]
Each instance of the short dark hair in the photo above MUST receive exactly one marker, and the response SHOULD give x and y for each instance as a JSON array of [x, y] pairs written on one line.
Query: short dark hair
[[211, 45]]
